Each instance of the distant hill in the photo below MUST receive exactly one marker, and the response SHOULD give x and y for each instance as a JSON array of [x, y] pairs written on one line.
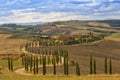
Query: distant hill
[[112, 23], [31, 23], [11, 28], [72, 27], [76, 27]]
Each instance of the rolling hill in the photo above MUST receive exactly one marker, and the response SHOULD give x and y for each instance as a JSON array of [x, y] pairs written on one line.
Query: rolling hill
[[76, 27], [73, 27]]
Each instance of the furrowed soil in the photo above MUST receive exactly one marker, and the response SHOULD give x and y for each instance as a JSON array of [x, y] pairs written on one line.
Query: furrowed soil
[[108, 47]]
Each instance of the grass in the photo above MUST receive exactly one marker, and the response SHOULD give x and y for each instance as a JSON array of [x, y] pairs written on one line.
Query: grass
[[117, 35], [13, 76], [4, 63], [20, 36], [20, 28]]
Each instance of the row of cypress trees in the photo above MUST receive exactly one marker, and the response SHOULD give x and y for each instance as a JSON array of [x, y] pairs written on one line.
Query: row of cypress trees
[[92, 65], [31, 63], [58, 53], [107, 69], [34, 65]]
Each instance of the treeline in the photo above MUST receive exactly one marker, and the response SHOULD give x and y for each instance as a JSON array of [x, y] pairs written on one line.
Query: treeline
[[60, 42], [33, 63]]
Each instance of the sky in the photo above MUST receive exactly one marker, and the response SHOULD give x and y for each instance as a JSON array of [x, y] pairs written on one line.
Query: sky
[[23, 11]]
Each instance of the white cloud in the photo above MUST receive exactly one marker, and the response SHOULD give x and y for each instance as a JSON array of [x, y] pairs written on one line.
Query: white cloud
[[43, 12], [21, 17]]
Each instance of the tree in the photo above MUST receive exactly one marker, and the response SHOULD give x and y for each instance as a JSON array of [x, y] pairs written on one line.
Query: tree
[[44, 65], [9, 62], [91, 70], [77, 69], [31, 63], [66, 63], [94, 66], [48, 59], [34, 66], [67, 71], [105, 65], [110, 66], [40, 60], [37, 65], [26, 63], [54, 66]]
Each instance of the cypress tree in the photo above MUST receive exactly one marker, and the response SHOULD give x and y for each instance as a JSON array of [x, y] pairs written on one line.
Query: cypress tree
[[44, 65], [40, 60], [31, 63], [9, 62], [77, 69], [60, 57], [34, 66], [54, 66], [67, 71], [37, 65], [26, 63], [105, 65], [91, 70], [48, 59], [110, 66], [94, 66], [23, 60], [64, 65]]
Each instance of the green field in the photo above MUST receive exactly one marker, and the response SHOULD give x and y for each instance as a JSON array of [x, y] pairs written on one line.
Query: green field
[[117, 35], [4, 63]]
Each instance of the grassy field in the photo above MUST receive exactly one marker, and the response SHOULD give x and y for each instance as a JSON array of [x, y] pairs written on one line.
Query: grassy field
[[13, 76], [117, 35], [4, 63]]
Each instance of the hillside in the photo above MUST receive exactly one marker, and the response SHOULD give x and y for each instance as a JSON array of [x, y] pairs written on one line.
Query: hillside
[[77, 27], [13, 28], [73, 27]]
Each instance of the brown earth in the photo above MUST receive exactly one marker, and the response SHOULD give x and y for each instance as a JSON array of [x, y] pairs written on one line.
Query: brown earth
[[107, 47], [10, 46]]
